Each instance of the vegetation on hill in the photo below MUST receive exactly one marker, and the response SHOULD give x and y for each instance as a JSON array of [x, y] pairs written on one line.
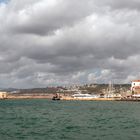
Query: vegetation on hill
[[92, 89]]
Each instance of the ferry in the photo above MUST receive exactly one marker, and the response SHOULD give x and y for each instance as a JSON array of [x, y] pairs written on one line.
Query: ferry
[[84, 96]]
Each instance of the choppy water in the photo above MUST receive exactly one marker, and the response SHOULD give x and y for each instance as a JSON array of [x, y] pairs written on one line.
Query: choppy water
[[69, 120]]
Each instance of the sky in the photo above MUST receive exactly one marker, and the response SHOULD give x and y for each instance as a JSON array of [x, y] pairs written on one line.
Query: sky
[[65, 42]]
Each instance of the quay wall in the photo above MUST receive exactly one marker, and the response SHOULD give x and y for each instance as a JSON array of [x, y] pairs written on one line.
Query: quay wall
[[49, 96], [90, 99]]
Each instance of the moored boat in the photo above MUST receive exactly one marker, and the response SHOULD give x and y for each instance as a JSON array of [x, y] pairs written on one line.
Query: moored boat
[[84, 96], [56, 97]]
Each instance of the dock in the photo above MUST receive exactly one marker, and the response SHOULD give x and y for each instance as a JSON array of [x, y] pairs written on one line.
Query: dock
[[88, 99]]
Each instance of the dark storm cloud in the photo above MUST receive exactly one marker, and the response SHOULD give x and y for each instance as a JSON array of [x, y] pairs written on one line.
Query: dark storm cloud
[[44, 17], [50, 42]]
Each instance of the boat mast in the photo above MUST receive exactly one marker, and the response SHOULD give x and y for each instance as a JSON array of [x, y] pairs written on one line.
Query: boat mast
[[110, 88]]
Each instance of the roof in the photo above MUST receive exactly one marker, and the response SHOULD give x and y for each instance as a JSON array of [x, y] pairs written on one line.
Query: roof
[[137, 87], [136, 81]]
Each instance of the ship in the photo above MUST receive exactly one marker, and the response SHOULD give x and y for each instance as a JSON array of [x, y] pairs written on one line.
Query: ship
[[84, 96]]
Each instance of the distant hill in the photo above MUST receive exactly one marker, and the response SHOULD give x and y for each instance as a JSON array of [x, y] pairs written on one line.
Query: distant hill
[[92, 88]]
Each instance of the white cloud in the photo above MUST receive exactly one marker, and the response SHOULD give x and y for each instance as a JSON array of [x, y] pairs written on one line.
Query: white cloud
[[50, 42], [104, 76]]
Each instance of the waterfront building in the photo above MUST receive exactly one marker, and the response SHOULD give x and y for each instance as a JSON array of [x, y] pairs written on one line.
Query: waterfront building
[[3, 95], [135, 86]]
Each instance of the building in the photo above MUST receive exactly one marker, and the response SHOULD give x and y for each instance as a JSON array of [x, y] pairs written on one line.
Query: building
[[3, 95], [135, 86]]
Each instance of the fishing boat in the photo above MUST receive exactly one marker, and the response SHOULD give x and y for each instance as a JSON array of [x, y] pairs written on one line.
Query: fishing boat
[[56, 97]]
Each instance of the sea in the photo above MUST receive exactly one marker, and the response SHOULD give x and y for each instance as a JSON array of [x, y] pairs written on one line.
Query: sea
[[43, 119]]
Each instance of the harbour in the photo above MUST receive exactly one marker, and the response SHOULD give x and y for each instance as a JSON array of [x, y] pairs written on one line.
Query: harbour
[[69, 70], [108, 92]]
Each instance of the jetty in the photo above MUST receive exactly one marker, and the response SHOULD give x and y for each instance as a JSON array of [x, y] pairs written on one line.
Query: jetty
[[86, 99]]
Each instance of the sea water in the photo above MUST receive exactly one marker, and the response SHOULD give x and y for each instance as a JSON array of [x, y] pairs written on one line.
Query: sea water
[[41, 119]]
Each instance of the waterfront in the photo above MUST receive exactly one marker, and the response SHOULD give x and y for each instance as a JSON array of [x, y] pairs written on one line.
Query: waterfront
[[69, 120]]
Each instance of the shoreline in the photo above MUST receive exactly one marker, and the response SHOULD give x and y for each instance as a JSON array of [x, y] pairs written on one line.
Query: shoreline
[[29, 97], [88, 99], [67, 98]]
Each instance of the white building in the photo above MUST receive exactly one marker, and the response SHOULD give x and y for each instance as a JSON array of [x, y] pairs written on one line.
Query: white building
[[3, 95]]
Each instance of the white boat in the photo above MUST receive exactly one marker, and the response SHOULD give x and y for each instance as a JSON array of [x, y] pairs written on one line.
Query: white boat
[[84, 96]]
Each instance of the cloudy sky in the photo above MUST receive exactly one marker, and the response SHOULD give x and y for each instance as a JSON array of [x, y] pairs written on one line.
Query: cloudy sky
[[62, 42]]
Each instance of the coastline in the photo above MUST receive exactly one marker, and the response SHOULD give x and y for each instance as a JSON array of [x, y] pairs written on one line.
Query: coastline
[[50, 96], [67, 98], [88, 99], [29, 97]]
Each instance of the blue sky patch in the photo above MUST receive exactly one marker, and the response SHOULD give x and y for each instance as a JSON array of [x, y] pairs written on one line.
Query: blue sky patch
[[4, 1]]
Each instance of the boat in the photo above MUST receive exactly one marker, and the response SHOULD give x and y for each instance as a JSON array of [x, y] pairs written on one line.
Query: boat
[[56, 97], [84, 96]]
